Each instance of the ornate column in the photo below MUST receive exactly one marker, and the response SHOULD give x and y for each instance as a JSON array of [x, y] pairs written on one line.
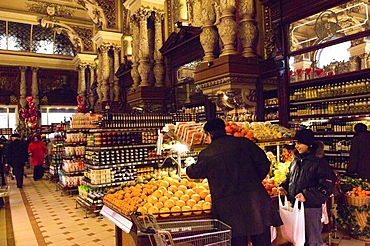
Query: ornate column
[[248, 29], [228, 28], [81, 90], [23, 88], [35, 86], [195, 12], [105, 73], [116, 87], [144, 64], [135, 52], [99, 71], [92, 87], [158, 43], [208, 37]]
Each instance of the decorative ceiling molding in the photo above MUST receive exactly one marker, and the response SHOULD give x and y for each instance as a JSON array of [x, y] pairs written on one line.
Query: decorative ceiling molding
[[95, 12], [36, 60], [103, 37], [60, 27]]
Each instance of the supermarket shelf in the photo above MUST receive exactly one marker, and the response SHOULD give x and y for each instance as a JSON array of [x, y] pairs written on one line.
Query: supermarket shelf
[[124, 164], [62, 172], [119, 147], [128, 129], [330, 99], [67, 144], [326, 116], [275, 142], [73, 157], [66, 190], [334, 135], [88, 206], [103, 185], [272, 106], [337, 153]]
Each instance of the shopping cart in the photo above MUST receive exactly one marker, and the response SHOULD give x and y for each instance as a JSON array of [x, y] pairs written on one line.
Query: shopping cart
[[203, 232]]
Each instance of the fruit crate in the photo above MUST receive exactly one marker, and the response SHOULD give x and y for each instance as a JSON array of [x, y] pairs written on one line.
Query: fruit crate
[[170, 216]]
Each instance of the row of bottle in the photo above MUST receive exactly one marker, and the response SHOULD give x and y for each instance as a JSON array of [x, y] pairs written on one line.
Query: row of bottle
[[85, 121], [70, 181], [121, 138], [57, 158], [116, 156], [333, 126], [119, 120], [331, 108], [333, 144], [71, 166], [331, 90], [338, 162], [185, 117]]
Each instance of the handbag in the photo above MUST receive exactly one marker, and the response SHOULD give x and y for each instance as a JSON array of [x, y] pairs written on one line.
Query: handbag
[[293, 228]]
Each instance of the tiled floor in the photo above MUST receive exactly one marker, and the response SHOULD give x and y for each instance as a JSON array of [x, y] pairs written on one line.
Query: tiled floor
[[41, 216]]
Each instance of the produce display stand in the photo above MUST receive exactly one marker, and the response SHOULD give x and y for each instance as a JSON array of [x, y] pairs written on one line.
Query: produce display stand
[[66, 190], [90, 208], [126, 230]]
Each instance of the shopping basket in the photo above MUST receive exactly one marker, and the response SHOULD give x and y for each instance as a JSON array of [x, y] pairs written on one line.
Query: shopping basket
[[203, 232]]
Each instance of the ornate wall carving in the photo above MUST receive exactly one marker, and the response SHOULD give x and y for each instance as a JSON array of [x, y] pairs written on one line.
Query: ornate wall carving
[[51, 9], [86, 35], [110, 11]]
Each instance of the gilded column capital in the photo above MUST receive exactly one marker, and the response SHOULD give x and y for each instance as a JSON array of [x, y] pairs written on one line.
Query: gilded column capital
[[22, 69]]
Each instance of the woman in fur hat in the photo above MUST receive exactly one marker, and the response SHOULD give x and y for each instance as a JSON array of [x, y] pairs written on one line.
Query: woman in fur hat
[[310, 180]]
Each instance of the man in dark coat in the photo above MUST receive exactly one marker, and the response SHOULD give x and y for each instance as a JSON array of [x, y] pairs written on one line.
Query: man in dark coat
[[360, 152], [17, 156], [235, 168]]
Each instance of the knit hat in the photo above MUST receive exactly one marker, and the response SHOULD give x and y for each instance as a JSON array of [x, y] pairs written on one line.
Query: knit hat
[[305, 136], [214, 124]]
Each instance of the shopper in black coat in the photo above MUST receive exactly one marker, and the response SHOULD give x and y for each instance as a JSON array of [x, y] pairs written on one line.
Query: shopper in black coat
[[310, 180], [359, 156], [17, 156], [235, 168]]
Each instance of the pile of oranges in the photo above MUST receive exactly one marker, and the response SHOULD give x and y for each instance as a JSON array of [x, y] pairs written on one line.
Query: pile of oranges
[[270, 186], [359, 192], [171, 196], [237, 131]]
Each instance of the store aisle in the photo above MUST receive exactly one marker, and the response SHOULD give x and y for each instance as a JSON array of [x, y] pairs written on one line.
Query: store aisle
[[41, 216], [38, 215]]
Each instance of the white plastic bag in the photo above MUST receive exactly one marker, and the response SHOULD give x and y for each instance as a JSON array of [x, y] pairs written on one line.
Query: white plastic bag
[[293, 228]]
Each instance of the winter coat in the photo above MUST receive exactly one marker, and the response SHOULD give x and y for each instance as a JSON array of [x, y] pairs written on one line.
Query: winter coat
[[235, 168], [359, 157], [17, 153], [37, 149], [311, 175]]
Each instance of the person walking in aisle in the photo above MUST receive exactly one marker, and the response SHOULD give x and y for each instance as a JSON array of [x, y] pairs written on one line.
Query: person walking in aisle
[[235, 168], [359, 154], [37, 150], [310, 180], [17, 156]]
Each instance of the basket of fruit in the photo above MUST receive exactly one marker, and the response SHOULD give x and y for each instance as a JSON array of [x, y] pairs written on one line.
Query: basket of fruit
[[358, 196], [356, 200]]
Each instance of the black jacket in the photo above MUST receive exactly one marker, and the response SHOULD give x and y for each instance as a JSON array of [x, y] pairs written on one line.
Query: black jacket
[[312, 176], [17, 153], [235, 168], [360, 155]]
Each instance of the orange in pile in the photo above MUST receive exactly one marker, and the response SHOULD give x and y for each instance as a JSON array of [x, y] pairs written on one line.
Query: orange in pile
[[359, 192], [164, 197], [237, 131]]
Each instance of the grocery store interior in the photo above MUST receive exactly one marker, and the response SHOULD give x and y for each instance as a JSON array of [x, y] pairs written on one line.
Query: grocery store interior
[[120, 91]]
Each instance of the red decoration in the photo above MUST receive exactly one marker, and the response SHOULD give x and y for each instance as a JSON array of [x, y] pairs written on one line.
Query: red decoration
[[299, 71], [79, 99], [34, 125], [29, 99], [308, 71], [81, 107], [32, 104], [24, 110], [319, 72], [24, 115], [331, 73], [33, 118], [291, 73]]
